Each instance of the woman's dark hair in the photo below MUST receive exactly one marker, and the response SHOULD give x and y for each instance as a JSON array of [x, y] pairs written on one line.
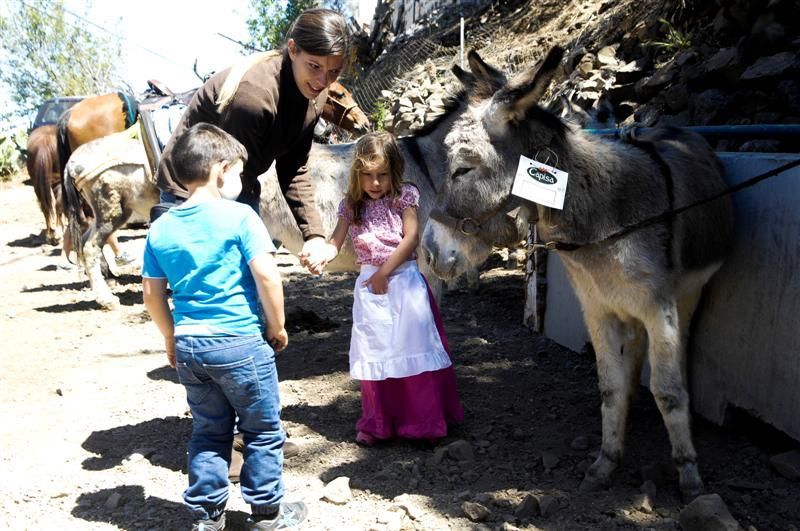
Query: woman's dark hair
[[317, 31], [201, 146], [321, 31]]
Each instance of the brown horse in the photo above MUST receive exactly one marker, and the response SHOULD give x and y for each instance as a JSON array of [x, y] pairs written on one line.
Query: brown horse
[[43, 169], [341, 110], [94, 118]]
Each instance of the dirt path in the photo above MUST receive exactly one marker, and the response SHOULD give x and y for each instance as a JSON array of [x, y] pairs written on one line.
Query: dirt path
[[94, 423]]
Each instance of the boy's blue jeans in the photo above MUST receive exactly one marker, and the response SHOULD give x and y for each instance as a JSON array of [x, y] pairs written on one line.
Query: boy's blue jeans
[[225, 377]]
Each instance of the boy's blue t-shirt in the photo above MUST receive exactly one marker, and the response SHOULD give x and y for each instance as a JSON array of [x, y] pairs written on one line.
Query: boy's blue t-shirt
[[203, 251]]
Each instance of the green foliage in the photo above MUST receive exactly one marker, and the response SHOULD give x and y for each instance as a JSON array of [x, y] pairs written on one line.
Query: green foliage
[[11, 159], [378, 116], [675, 40], [270, 23], [47, 55]]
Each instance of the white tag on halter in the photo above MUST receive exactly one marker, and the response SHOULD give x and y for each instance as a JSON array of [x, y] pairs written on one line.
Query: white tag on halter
[[540, 183]]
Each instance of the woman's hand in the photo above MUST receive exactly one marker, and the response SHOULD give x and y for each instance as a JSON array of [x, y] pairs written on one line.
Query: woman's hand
[[314, 255], [377, 283]]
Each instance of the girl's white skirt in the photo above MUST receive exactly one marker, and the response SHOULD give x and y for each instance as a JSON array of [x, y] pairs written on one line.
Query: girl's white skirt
[[394, 335]]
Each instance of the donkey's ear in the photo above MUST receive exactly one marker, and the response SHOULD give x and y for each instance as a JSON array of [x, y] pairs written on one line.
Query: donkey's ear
[[527, 92], [466, 78], [484, 71]]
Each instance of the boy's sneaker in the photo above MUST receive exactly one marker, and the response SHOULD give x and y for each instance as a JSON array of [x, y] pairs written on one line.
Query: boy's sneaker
[[210, 525], [290, 515], [124, 259]]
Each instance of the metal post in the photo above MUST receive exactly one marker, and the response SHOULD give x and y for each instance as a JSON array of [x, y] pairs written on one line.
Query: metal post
[[462, 42]]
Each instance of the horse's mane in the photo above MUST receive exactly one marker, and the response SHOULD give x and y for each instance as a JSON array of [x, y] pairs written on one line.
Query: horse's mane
[[235, 75]]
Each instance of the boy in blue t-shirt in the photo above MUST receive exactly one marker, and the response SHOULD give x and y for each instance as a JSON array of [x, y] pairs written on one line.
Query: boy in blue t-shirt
[[217, 257]]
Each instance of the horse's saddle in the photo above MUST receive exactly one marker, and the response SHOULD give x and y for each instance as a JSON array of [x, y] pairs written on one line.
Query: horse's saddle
[[159, 95]]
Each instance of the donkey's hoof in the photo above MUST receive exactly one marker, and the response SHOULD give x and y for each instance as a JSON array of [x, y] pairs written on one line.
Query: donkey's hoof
[[111, 303], [689, 493], [690, 481], [593, 484]]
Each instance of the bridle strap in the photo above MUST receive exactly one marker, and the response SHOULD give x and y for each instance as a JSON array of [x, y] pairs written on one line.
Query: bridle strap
[[466, 226], [470, 226], [345, 112]]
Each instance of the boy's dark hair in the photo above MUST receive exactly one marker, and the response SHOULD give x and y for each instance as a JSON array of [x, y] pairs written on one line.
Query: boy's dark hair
[[201, 146]]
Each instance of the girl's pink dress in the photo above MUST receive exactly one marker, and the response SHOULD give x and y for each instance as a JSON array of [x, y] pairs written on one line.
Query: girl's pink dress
[[414, 407]]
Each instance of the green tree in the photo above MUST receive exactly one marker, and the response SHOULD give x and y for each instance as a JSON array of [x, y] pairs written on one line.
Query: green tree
[[47, 55], [271, 21]]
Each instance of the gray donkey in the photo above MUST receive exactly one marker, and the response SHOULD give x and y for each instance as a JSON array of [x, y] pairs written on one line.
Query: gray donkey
[[638, 279]]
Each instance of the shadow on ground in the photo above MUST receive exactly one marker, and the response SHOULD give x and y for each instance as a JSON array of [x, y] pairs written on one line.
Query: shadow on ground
[[161, 441]]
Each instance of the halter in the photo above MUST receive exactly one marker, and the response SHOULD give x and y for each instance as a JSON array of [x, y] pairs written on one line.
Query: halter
[[471, 226], [345, 112]]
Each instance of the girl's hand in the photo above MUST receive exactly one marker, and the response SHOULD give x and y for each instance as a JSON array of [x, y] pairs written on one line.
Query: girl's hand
[[377, 283]]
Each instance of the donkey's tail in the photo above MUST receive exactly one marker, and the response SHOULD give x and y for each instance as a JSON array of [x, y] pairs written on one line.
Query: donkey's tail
[[74, 212]]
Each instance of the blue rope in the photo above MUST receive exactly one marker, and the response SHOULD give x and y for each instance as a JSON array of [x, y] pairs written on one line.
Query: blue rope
[[128, 107], [731, 131]]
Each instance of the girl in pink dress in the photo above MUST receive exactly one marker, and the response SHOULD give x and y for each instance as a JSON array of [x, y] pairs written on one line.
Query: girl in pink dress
[[397, 349]]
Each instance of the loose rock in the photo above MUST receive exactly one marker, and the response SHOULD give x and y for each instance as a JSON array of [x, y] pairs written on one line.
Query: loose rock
[[475, 511], [708, 513], [338, 491]]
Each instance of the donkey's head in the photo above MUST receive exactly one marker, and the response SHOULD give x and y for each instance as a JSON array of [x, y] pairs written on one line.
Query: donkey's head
[[500, 121]]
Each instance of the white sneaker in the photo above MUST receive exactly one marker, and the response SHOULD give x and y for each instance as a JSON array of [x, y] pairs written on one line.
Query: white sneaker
[[124, 259]]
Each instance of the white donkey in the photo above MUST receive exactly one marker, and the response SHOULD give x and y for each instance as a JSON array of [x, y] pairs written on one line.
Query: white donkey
[[638, 279]]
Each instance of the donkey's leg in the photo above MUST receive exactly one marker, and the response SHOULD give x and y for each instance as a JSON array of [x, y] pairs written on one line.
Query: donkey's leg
[[473, 279], [92, 252], [667, 329], [109, 216], [619, 349]]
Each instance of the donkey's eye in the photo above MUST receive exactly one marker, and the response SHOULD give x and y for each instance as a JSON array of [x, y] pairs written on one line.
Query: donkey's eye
[[460, 172]]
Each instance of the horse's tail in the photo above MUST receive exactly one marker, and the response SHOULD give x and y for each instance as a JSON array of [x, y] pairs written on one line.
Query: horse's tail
[[74, 212], [42, 161], [62, 137]]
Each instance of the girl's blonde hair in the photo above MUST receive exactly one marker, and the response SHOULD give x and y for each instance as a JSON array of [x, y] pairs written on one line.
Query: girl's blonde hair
[[318, 31], [372, 151]]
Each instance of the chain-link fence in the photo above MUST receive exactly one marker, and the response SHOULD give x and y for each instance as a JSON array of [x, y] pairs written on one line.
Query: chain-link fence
[[499, 46], [390, 69]]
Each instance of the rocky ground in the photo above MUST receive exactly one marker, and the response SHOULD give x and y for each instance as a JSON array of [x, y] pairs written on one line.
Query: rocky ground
[[94, 424]]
